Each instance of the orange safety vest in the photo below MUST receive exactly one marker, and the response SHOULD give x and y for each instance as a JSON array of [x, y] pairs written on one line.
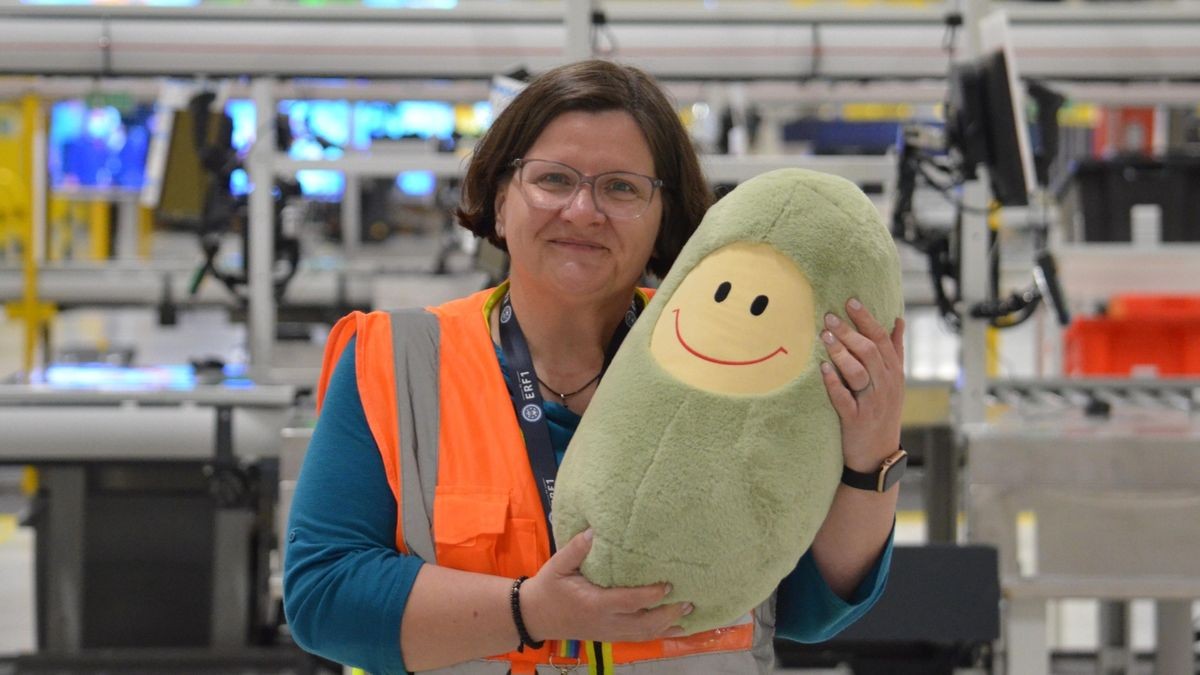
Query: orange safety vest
[[486, 512]]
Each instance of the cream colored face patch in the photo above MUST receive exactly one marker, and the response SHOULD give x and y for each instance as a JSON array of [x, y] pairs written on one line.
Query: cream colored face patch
[[741, 322]]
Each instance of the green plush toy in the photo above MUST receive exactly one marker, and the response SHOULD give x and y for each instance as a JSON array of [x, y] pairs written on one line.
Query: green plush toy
[[709, 456]]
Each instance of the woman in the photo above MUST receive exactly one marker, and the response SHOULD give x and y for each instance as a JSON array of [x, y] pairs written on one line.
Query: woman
[[588, 180]]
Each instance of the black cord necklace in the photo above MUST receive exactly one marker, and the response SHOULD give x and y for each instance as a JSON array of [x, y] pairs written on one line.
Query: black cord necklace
[[563, 397]]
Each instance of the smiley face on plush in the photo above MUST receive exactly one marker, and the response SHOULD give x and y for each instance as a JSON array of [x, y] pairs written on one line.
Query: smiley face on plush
[[710, 454], [739, 323]]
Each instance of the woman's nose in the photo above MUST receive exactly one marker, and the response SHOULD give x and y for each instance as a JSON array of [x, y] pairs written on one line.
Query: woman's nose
[[583, 205]]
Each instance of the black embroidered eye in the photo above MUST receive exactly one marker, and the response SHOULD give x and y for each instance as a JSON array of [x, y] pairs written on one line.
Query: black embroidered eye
[[723, 291], [759, 305]]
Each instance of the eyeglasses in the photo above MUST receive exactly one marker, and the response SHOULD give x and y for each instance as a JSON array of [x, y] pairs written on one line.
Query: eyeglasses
[[553, 185]]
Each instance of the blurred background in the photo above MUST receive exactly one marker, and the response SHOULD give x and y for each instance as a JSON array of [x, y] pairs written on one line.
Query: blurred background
[[191, 193]]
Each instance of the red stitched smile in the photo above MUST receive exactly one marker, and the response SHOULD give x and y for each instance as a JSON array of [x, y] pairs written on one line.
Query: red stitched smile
[[693, 352]]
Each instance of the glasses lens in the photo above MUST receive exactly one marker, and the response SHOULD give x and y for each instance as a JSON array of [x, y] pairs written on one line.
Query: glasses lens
[[618, 194], [624, 195], [548, 184]]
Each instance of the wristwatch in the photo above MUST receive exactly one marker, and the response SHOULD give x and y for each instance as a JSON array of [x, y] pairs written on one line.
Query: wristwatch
[[882, 480]]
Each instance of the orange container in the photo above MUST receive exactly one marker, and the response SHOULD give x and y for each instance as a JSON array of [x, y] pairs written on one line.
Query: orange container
[[1142, 346], [1134, 306]]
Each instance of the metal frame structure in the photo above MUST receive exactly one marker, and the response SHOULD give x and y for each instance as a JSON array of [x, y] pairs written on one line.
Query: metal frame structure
[[756, 40], [82, 440], [753, 40]]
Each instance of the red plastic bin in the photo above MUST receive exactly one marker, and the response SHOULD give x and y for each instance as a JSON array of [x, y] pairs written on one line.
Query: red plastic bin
[[1140, 346], [1136, 306]]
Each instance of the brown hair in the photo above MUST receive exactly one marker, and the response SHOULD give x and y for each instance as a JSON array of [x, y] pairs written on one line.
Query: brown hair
[[592, 86]]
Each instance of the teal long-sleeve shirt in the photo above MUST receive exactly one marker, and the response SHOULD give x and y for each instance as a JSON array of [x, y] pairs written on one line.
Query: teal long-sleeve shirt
[[346, 585]]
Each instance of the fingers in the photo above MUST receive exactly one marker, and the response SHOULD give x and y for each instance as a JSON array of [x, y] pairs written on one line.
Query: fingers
[[632, 600], [866, 341], [660, 619], [842, 399], [655, 622], [568, 558], [866, 322], [874, 331], [853, 354], [581, 610], [638, 614]]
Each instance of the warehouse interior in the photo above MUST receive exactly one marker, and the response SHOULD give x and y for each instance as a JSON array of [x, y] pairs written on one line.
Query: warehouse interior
[[193, 192]]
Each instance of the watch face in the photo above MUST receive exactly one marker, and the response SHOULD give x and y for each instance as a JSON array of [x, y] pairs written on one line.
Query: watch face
[[894, 472]]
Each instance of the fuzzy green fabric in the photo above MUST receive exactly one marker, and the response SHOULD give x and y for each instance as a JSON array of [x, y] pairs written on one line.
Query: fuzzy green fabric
[[721, 493]]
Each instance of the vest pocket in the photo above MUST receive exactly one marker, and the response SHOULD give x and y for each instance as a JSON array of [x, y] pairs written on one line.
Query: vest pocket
[[468, 522], [523, 550]]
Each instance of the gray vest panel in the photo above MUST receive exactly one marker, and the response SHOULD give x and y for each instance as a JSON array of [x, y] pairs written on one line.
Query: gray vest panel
[[416, 337]]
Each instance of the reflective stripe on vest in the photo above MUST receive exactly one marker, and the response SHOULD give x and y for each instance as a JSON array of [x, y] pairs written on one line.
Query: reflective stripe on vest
[[430, 409]]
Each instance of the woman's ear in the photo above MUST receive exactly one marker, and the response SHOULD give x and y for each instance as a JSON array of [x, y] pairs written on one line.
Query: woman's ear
[[498, 208]]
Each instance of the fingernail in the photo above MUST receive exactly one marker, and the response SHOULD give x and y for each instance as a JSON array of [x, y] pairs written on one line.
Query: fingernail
[[826, 367], [827, 337], [673, 632], [667, 590], [832, 321], [587, 534], [687, 608], [855, 304]]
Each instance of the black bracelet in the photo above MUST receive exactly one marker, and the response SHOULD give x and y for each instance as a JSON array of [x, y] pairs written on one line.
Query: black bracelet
[[514, 599]]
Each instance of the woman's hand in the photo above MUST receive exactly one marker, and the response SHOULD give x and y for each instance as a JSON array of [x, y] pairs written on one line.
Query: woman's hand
[[865, 384], [560, 603]]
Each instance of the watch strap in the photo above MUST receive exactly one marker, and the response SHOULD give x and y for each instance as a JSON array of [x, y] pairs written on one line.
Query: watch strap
[[882, 479]]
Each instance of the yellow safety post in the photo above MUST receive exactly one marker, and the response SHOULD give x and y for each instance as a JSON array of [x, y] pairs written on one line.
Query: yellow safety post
[[29, 481], [992, 335], [100, 222], [12, 151], [59, 214], [12, 211], [29, 308], [145, 232]]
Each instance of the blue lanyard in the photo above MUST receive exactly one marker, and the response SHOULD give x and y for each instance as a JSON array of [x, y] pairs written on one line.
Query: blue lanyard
[[527, 399]]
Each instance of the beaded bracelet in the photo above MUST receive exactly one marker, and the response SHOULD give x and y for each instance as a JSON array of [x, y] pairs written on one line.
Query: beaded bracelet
[[514, 599]]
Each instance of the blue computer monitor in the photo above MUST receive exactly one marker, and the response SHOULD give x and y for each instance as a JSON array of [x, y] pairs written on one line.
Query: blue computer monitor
[[320, 129], [241, 112], [109, 377], [98, 147], [416, 184], [330, 121], [308, 120], [381, 120]]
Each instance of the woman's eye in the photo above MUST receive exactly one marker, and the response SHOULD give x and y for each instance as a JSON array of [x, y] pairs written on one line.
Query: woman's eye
[[759, 305], [554, 179], [622, 190], [722, 291]]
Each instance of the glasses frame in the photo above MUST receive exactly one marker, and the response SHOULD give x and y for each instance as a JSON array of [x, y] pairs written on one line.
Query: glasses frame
[[656, 184]]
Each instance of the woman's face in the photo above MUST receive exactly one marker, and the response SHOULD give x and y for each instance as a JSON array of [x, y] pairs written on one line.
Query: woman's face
[[577, 250]]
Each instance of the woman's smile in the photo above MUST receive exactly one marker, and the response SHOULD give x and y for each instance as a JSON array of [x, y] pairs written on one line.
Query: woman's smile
[[578, 245]]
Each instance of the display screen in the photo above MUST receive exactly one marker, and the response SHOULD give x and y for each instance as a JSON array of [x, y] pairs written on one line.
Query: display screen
[[320, 129], [98, 148], [107, 377], [379, 120], [416, 183]]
